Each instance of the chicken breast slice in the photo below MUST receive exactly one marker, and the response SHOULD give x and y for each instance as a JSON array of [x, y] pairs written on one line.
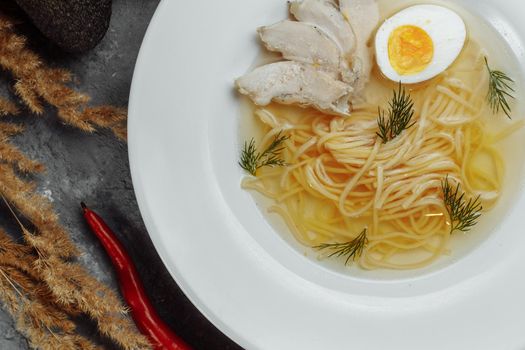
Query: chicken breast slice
[[363, 16], [291, 82], [302, 42], [326, 15]]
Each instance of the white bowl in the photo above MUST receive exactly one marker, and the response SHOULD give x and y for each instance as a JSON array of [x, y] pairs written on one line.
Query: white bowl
[[250, 280]]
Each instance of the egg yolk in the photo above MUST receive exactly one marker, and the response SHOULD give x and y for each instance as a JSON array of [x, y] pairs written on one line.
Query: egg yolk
[[410, 50]]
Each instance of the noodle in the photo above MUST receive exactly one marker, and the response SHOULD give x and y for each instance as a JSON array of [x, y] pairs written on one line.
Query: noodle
[[341, 178]]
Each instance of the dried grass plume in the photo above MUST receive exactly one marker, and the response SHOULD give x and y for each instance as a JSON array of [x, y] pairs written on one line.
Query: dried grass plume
[[42, 286]]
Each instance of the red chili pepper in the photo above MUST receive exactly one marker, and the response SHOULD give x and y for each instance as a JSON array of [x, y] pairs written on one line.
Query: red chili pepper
[[132, 289]]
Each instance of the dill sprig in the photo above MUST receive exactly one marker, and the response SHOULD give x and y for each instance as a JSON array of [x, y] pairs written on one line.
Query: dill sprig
[[463, 213], [400, 113], [499, 90], [352, 250], [251, 160]]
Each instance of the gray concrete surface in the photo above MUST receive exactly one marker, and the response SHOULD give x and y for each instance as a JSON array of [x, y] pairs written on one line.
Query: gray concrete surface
[[95, 169]]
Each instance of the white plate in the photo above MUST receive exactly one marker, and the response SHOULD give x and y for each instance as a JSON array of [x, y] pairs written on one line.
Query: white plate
[[249, 281]]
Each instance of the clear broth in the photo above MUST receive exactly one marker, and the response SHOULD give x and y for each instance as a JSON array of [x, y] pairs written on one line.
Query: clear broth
[[378, 91]]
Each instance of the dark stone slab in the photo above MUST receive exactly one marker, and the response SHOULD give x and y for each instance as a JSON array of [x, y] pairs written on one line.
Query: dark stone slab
[[74, 25], [95, 169]]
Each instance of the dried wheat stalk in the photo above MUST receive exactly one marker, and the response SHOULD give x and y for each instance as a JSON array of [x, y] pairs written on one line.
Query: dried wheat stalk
[[31, 305], [41, 284], [37, 83], [7, 107], [70, 284]]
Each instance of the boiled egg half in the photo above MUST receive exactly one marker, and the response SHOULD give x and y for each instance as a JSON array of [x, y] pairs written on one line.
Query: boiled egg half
[[419, 43]]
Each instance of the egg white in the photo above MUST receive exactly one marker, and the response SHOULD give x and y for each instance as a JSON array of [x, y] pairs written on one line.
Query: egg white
[[444, 26]]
